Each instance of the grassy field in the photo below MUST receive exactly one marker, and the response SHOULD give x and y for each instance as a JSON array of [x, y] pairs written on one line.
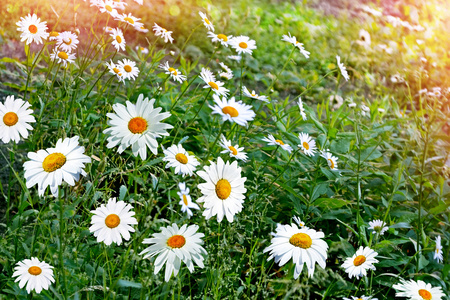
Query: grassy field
[[280, 193]]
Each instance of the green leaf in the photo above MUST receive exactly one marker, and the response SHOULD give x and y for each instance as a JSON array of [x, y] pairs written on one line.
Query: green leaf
[[319, 189], [330, 203], [123, 192]]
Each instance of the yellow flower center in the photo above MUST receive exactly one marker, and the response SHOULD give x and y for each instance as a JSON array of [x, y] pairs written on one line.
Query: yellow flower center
[[331, 163], [207, 21], [173, 71], [253, 94], [223, 37], [437, 251], [185, 199], [213, 85], [117, 71], [112, 221], [32, 28], [359, 260], [243, 45], [233, 150], [53, 162], [108, 8], [181, 158], [426, 295], [63, 55], [118, 39], [54, 33], [301, 240], [377, 228], [35, 270], [67, 41], [223, 189], [129, 20], [306, 145], [10, 118], [128, 68], [137, 125], [142, 27], [176, 241], [279, 142], [230, 111]]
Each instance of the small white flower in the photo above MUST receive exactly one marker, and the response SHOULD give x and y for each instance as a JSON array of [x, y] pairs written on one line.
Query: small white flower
[[272, 141], [360, 262], [129, 68], [118, 39], [142, 49], [225, 67], [438, 256], [141, 28], [163, 33], [108, 6], [35, 274], [254, 95], [365, 110], [418, 290], [216, 86], [234, 151], [14, 118], [232, 111], [360, 298], [206, 21], [364, 38], [223, 39], [243, 44], [33, 30], [378, 226], [293, 40], [116, 70], [342, 68], [186, 201], [62, 57], [331, 160], [235, 57], [225, 75], [66, 41], [129, 19], [302, 109], [178, 158], [175, 74], [307, 144]]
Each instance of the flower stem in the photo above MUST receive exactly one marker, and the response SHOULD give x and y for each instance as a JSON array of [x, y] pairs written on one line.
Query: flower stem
[[61, 241]]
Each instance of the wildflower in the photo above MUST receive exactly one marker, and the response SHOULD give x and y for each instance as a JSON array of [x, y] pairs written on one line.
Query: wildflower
[[293, 40], [177, 157], [206, 21], [109, 7], [360, 262], [307, 144], [302, 245], [418, 290], [108, 29], [175, 74], [365, 110], [173, 246], [272, 141], [364, 38], [438, 252], [216, 86], [302, 109], [51, 166], [234, 151], [331, 160], [35, 274], [360, 298], [342, 68], [111, 222], [225, 67], [141, 28], [116, 70], [53, 35], [254, 95], [336, 101], [131, 71], [118, 39], [66, 41], [33, 30], [222, 38], [129, 19], [243, 44], [63, 57], [142, 49], [235, 57], [378, 226], [160, 31], [136, 125], [223, 191], [14, 118], [299, 222], [225, 75], [186, 200], [232, 111]]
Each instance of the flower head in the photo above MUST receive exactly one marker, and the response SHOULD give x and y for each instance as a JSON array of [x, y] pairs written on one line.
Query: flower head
[[342, 68], [360, 298], [178, 158], [185, 200], [302, 109], [243, 44], [116, 70], [163, 33], [307, 144], [118, 39], [232, 111], [14, 118], [438, 251], [234, 151], [360, 262], [62, 57], [254, 95], [293, 40], [175, 74], [108, 6], [129, 19], [331, 160], [206, 21], [216, 86], [364, 38], [272, 141], [418, 290], [33, 30], [223, 39], [131, 71], [67, 41], [37, 275], [378, 226]]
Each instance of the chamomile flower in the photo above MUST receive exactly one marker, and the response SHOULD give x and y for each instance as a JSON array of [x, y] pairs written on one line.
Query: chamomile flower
[[235, 57], [178, 158], [37, 275], [141, 28], [254, 95], [116, 70], [272, 141], [307, 144], [136, 125], [378, 226], [131, 71], [365, 110], [175, 74], [163, 33], [111, 222], [62, 57], [206, 21], [232, 111], [216, 86], [223, 39], [118, 39], [331, 160], [234, 151], [225, 75], [33, 30], [173, 246], [223, 192], [342, 68], [129, 19], [108, 29], [225, 67], [360, 298], [360, 262], [14, 118], [297, 220], [243, 44], [186, 201], [53, 35], [438, 251], [364, 38], [418, 290], [108, 6], [302, 109], [302, 245], [52, 166], [142, 49], [293, 40], [66, 41]]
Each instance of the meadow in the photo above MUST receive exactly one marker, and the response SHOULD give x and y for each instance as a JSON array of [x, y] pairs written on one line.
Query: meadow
[[224, 150]]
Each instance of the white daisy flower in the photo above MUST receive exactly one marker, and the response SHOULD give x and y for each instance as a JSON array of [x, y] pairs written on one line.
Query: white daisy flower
[[360, 298], [364, 38], [232, 111], [235, 57], [175, 74], [51, 166], [303, 245], [131, 71], [206, 21], [62, 57], [116, 70], [221, 38], [225, 75], [141, 28], [216, 86], [186, 201], [14, 118], [111, 222], [225, 67], [178, 158], [293, 40], [438, 252], [53, 35], [302, 109], [173, 246], [66, 41], [342, 68], [378, 226], [108, 29], [163, 33], [136, 125], [336, 101], [272, 141], [35, 274], [33, 30], [307, 144], [223, 192], [243, 44], [129, 19], [365, 110], [418, 290], [118, 39], [254, 95], [297, 220], [360, 262], [331, 160], [234, 151], [109, 7], [142, 49]]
